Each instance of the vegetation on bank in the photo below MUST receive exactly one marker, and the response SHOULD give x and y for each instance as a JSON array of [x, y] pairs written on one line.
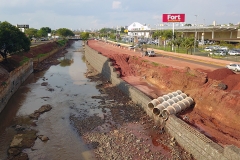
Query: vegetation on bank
[[12, 40], [62, 42], [24, 60]]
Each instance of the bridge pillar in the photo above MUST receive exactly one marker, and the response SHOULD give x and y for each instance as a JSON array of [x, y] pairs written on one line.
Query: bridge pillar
[[212, 34]]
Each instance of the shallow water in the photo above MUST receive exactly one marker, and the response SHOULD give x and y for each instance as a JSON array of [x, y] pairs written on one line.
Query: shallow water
[[72, 92]]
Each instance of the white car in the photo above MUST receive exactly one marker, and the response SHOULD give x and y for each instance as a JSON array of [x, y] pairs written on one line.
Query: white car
[[208, 49], [233, 53], [150, 53], [219, 53], [234, 67]]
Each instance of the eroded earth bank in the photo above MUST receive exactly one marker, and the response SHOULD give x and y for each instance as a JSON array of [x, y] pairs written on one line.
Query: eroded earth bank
[[216, 92]]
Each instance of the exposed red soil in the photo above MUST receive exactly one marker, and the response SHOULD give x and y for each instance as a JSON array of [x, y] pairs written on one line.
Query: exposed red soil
[[15, 59], [216, 112]]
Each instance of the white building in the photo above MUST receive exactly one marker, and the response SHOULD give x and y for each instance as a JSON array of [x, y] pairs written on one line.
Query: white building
[[135, 26]]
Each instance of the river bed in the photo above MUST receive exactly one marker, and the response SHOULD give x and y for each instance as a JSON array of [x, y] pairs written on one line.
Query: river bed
[[67, 86], [90, 117]]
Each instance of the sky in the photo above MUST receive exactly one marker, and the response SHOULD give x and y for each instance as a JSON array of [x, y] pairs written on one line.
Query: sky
[[97, 14]]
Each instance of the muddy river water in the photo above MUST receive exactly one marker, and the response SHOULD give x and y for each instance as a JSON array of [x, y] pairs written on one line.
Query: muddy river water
[[67, 87]]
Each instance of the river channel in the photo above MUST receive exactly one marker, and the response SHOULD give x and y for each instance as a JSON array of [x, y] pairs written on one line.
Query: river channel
[[67, 88]]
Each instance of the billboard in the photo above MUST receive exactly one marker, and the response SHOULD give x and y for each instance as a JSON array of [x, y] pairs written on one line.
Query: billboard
[[22, 25], [173, 17]]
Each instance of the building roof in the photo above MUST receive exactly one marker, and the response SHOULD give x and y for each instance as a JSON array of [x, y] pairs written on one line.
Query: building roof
[[135, 26]]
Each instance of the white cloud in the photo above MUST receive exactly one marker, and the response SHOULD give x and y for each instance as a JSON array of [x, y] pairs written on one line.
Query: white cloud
[[116, 5]]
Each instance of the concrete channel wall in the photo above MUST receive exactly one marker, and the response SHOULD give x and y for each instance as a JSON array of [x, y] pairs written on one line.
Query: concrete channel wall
[[190, 139], [16, 78]]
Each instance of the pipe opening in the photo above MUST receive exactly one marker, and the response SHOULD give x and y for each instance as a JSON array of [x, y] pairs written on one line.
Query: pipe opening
[[165, 115], [153, 103], [156, 111]]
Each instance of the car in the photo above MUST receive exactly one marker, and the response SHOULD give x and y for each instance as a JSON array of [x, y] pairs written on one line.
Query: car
[[208, 49], [234, 52], [150, 53], [219, 53], [234, 67]]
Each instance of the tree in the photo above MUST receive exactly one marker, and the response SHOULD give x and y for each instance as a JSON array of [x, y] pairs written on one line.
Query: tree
[[12, 40], [84, 35], [31, 32], [188, 43], [64, 32], [46, 29], [177, 42]]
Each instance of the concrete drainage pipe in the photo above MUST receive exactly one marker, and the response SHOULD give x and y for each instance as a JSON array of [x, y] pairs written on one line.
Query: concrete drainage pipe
[[154, 103], [177, 107], [175, 99], [159, 108], [163, 98], [179, 97], [183, 95]]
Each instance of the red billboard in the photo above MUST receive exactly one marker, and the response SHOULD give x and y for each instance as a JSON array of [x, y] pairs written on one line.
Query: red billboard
[[173, 17]]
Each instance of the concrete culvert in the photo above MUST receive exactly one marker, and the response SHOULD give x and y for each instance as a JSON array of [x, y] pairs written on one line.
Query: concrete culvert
[[179, 97], [153, 103], [158, 109], [175, 99], [182, 105], [190, 100], [170, 95], [160, 99], [177, 108], [179, 92], [168, 111], [170, 101], [166, 103], [183, 95], [175, 94], [186, 102], [166, 97]]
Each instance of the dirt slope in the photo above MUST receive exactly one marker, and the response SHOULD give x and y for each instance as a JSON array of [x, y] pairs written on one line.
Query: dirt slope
[[216, 92]]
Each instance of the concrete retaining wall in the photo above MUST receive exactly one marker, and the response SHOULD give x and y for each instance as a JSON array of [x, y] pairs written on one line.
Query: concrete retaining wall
[[16, 78], [190, 139]]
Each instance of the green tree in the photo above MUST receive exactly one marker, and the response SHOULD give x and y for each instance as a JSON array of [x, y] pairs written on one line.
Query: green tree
[[84, 35], [12, 40], [46, 29], [177, 42], [188, 43], [31, 32], [64, 32]]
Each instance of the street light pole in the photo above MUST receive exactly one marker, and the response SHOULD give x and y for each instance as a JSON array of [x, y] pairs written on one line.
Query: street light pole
[[195, 39]]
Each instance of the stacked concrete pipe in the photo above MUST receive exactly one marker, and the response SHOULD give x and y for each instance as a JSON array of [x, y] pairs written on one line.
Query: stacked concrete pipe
[[177, 107], [163, 98], [160, 107]]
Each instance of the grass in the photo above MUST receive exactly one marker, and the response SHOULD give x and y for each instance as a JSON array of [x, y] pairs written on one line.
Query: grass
[[41, 55], [155, 64], [25, 59]]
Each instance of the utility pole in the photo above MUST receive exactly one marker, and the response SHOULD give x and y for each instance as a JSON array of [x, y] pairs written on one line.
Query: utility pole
[[195, 39]]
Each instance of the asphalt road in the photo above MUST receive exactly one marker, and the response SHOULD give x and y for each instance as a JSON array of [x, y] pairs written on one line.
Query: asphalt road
[[191, 61]]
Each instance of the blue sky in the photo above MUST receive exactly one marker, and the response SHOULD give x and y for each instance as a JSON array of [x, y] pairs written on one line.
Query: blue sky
[[97, 14]]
